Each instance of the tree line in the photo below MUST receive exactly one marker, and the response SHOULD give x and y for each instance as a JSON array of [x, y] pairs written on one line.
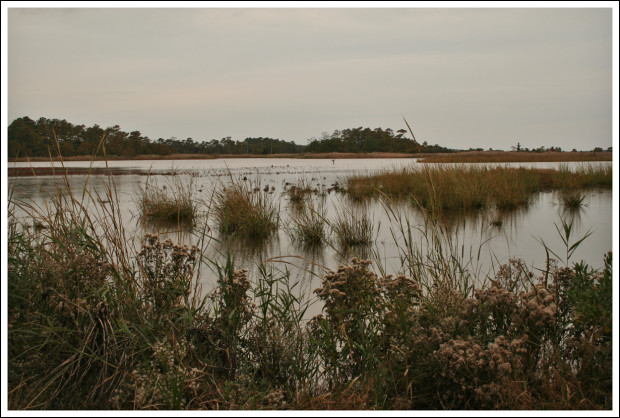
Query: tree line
[[362, 139], [27, 137]]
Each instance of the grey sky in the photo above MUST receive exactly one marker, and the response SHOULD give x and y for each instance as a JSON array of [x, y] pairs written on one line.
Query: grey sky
[[462, 77]]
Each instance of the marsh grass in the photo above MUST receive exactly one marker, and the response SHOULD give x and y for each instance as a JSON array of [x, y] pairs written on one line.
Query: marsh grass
[[572, 198], [447, 187], [308, 223], [243, 210], [174, 203], [570, 186], [505, 157], [352, 228], [299, 193]]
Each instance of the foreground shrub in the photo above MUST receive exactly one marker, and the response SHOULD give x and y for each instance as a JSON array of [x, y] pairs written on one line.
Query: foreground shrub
[[515, 344]]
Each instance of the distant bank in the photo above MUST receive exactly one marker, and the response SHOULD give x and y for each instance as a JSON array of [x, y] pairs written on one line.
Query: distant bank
[[456, 157]]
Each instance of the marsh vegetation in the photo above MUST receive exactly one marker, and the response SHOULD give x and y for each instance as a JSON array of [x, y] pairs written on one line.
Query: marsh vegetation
[[100, 320], [445, 187]]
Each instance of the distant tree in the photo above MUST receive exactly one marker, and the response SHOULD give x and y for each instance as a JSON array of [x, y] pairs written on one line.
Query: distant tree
[[23, 139]]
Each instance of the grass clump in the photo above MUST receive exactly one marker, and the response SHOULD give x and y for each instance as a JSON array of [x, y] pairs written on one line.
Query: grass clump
[[298, 194], [571, 199], [570, 186], [352, 229], [238, 209], [308, 224], [173, 203]]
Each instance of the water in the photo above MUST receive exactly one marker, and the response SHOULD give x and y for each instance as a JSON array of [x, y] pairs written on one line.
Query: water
[[479, 244]]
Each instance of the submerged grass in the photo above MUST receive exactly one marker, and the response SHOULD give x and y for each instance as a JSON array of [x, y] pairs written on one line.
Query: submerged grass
[[95, 322]]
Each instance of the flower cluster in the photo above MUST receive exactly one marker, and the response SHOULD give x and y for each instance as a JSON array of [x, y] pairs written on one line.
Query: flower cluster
[[539, 308], [167, 366], [350, 293], [471, 372], [167, 271]]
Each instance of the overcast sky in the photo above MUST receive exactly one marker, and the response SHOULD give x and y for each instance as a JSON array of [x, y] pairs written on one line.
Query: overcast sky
[[462, 78]]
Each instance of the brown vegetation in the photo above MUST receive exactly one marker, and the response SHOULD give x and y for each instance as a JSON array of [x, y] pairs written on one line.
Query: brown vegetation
[[115, 158], [95, 323], [464, 187], [67, 171], [506, 157]]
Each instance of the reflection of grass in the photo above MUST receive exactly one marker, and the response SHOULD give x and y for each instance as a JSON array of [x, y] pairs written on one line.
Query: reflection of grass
[[453, 186], [496, 221]]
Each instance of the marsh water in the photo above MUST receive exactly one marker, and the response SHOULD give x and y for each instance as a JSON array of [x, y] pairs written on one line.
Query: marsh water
[[480, 244]]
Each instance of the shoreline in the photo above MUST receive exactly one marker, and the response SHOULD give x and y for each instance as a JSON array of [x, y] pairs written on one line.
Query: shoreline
[[465, 156], [331, 155]]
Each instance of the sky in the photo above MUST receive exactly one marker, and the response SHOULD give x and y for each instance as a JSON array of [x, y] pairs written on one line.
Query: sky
[[463, 78]]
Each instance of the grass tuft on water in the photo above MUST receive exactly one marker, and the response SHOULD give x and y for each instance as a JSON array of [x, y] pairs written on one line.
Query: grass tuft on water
[[243, 210], [172, 203]]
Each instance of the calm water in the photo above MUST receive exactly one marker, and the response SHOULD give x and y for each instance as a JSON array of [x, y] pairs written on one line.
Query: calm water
[[474, 239]]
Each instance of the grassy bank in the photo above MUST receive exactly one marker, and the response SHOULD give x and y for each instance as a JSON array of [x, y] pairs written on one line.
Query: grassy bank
[[456, 157], [464, 187], [327, 155], [514, 157], [96, 322]]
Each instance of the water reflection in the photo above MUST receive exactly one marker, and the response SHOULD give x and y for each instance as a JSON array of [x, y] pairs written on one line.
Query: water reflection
[[572, 215], [184, 232], [483, 239]]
